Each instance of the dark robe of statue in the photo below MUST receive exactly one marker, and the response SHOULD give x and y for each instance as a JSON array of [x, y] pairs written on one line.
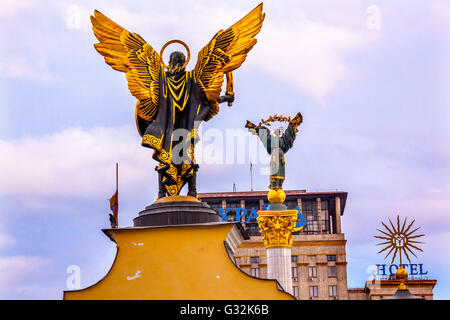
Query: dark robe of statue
[[173, 134]]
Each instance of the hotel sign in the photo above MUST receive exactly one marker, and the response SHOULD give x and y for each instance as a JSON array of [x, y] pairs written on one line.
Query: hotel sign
[[251, 217], [413, 269]]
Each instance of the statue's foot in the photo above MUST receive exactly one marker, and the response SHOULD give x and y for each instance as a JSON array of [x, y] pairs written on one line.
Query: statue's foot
[[192, 193], [161, 195]]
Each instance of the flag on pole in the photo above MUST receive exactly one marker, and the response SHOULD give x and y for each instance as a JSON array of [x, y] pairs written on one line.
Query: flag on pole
[[114, 205], [114, 202]]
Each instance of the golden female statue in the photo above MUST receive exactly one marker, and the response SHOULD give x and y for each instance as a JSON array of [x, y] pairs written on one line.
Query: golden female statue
[[173, 102]]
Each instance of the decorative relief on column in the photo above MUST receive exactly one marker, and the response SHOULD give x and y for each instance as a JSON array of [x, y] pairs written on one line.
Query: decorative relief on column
[[277, 227]]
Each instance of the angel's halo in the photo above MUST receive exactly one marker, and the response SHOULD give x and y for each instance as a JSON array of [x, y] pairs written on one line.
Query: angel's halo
[[175, 41]]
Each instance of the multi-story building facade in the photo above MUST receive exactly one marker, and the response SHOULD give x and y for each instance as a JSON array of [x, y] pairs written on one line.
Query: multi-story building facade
[[319, 264], [319, 261], [384, 288]]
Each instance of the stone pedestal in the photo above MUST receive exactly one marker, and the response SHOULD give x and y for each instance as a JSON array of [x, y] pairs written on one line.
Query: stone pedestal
[[277, 227], [182, 262], [178, 250], [176, 210]]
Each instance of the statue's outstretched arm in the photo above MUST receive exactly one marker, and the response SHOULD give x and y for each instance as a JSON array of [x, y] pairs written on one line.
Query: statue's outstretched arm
[[287, 140], [250, 125], [262, 132], [226, 98]]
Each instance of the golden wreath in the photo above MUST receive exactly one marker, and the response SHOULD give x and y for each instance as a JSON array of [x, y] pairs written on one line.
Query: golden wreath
[[295, 122]]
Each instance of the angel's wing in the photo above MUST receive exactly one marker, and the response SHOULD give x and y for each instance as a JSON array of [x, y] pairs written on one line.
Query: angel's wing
[[128, 52], [224, 53]]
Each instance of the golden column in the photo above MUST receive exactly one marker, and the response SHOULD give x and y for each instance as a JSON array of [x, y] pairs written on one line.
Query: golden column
[[277, 224]]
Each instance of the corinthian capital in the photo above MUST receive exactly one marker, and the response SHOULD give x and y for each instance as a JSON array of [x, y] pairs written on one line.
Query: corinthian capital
[[277, 227]]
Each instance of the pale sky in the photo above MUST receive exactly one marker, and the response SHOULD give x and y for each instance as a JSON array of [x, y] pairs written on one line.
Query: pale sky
[[371, 79]]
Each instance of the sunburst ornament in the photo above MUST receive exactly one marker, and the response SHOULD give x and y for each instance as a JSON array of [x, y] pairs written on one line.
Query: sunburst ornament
[[399, 239]]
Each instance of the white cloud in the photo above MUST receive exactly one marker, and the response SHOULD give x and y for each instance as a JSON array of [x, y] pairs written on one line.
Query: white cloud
[[27, 277], [8, 8], [440, 12], [32, 68], [23, 53], [80, 162], [15, 270], [306, 53], [73, 162], [5, 240]]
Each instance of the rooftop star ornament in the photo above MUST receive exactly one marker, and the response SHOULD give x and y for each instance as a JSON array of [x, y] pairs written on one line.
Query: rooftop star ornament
[[399, 239]]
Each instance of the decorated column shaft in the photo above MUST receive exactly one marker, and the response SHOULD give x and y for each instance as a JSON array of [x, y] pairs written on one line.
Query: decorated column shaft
[[277, 227]]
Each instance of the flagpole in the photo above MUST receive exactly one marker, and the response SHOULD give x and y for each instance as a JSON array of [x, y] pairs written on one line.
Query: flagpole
[[251, 176], [117, 176], [117, 192]]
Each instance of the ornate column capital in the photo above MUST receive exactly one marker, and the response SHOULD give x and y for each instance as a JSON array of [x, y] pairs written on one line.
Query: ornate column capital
[[277, 227]]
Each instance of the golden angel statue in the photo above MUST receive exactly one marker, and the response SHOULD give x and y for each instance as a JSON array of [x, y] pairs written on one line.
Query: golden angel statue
[[172, 102]]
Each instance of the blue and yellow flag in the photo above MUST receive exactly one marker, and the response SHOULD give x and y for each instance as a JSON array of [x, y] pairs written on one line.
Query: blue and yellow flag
[[114, 205]]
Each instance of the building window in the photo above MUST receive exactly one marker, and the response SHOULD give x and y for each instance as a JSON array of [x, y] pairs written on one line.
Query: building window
[[325, 216], [310, 213], [215, 205], [294, 258], [295, 291], [312, 272], [251, 225], [313, 291], [249, 205], [234, 204], [326, 226], [331, 257], [255, 272], [231, 215], [252, 229], [294, 272], [291, 204], [312, 227], [332, 291], [254, 259], [332, 271]]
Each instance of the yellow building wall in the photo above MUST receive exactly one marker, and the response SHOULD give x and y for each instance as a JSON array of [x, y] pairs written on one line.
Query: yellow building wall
[[176, 263]]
